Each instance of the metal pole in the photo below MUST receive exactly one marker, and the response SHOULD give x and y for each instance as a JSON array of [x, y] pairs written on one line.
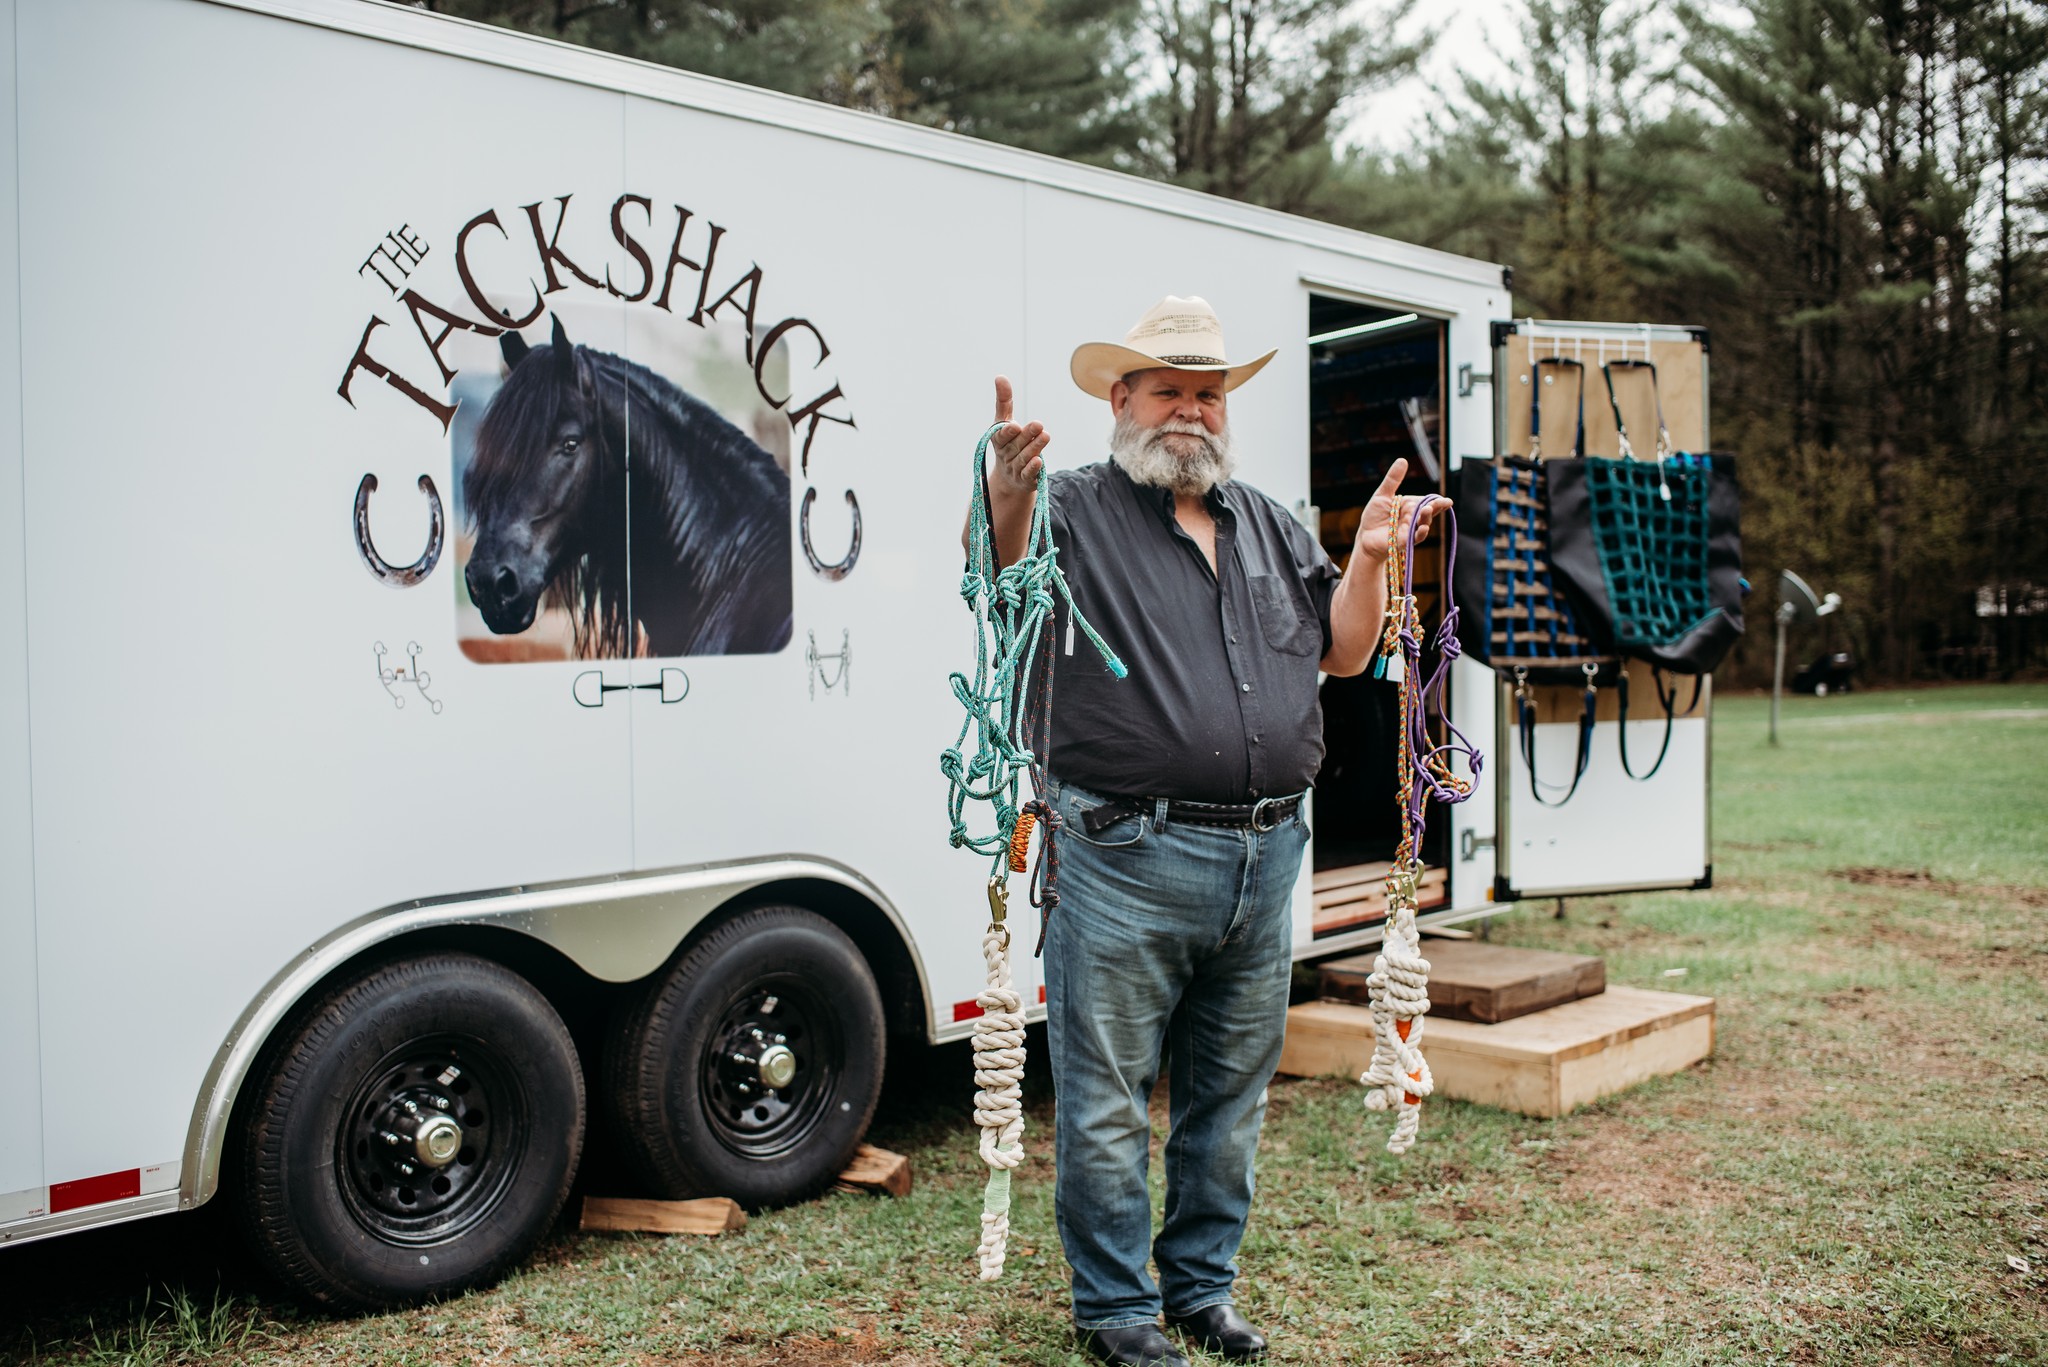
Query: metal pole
[[1778, 674]]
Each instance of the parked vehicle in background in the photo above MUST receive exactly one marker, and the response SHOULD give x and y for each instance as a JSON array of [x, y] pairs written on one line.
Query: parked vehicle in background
[[1831, 673]]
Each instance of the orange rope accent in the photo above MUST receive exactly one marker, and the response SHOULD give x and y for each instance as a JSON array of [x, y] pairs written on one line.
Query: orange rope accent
[[1401, 1028], [1020, 841]]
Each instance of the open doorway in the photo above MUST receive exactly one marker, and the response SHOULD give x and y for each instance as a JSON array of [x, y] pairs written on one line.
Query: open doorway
[[1376, 394]]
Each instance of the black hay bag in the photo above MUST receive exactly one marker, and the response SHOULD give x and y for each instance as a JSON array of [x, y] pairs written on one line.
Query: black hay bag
[[1660, 577], [1511, 613]]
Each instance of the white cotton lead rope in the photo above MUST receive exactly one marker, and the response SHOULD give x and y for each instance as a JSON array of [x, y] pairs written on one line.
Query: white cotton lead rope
[[999, 1105], [1399, 1078]]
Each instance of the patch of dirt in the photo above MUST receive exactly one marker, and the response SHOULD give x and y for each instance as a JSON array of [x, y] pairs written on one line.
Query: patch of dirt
[[1959, 947], [1611, 1165], [1923, 880], [1916, 1045]]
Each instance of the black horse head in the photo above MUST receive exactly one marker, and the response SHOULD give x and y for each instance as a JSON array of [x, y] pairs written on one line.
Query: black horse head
[[546, 489]]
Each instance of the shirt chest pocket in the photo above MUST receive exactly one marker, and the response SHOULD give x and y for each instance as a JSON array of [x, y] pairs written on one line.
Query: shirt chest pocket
[[1283, 617]]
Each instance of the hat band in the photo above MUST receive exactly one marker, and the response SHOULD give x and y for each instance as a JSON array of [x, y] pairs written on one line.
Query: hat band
[[1190, 360]]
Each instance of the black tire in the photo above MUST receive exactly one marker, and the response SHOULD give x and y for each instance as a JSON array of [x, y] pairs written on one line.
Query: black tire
[[325, 1199], [695, 1122]]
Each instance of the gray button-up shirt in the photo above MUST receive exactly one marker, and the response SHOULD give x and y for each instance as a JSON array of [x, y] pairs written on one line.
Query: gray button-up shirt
[[1221, 704]]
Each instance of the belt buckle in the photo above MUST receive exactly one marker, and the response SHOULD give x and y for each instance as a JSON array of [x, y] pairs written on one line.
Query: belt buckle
[[1259, 823]]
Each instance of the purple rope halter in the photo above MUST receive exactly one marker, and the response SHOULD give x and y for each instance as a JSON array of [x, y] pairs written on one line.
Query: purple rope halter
[[1432, 775]]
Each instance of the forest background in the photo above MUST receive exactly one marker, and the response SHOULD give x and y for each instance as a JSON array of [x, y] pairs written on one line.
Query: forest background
[[1850, 194]]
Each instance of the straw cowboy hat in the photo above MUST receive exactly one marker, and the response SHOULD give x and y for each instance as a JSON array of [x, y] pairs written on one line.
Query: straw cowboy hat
[[1176, 332]]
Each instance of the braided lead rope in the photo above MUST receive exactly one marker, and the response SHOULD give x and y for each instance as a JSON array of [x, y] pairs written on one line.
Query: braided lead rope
[[1010, 607], [999, 1105], [1398, 1077]]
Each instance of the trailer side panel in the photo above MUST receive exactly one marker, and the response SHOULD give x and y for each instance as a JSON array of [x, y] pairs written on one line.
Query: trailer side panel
[[21, 1118]]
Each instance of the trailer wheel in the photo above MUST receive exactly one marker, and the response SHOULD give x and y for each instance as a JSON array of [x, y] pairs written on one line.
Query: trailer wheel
[[414, 1136], [751, 1067]]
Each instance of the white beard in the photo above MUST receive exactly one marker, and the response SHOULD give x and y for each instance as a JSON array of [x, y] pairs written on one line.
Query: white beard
[[1142, 453]]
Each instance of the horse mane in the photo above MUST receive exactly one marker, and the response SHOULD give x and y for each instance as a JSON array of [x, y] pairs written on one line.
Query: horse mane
[[733, 491], [717, 506]]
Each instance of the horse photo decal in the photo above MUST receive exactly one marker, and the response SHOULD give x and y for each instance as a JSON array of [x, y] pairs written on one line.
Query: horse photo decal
[[623, 488], [628, 508]]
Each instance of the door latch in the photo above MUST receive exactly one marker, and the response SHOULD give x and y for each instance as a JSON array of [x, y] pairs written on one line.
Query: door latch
[[1470, 844], [1468, 378]]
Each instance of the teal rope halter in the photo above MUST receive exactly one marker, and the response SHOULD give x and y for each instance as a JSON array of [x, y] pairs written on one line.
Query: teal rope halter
[[1010, 607]]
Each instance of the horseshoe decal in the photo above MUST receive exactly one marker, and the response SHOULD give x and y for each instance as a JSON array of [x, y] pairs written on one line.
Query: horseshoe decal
[[405, 576], [819, 567]]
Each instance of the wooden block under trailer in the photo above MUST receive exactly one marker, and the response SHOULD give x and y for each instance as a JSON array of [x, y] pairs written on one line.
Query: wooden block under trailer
[[1545, 1064]]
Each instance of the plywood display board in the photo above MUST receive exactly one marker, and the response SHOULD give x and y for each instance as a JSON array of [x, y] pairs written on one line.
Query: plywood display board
[[1566, 702], [1681, 382], [1682, 387]]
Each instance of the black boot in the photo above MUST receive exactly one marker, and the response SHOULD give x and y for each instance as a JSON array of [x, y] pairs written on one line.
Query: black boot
[[1220, 1329], [1136, 1345]]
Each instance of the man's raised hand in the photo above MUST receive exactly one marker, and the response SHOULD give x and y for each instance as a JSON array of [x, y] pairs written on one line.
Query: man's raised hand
[[1019, 451], [1375, 525]]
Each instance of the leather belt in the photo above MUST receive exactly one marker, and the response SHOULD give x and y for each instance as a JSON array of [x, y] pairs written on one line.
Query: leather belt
[[1264, 815]]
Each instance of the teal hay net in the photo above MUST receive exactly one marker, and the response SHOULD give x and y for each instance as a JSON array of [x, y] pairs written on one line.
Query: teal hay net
[[1652, 548]]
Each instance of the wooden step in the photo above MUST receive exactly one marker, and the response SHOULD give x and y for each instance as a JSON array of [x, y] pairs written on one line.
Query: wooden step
[[1357, 895], [1470, 981], [1326, 880], [1543, 1064]]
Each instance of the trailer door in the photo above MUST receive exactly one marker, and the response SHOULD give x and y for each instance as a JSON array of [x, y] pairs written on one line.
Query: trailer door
[[1612, 832]]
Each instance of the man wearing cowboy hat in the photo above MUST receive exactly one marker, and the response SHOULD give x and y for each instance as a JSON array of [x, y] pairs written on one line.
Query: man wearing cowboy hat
[[1178, 792]]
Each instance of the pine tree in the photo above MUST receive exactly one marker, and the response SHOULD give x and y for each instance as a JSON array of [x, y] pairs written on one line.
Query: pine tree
[[1049, 75], [1253, 90], [825, 49]]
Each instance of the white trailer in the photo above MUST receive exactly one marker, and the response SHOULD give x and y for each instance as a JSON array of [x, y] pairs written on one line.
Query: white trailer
[[413, 733]]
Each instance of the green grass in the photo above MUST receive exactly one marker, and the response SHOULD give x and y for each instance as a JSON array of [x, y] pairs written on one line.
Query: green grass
[[1843, 1182]]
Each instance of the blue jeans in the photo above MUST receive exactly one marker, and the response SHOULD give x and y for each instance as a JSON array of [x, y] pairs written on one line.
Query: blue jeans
[[1178, 936]]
